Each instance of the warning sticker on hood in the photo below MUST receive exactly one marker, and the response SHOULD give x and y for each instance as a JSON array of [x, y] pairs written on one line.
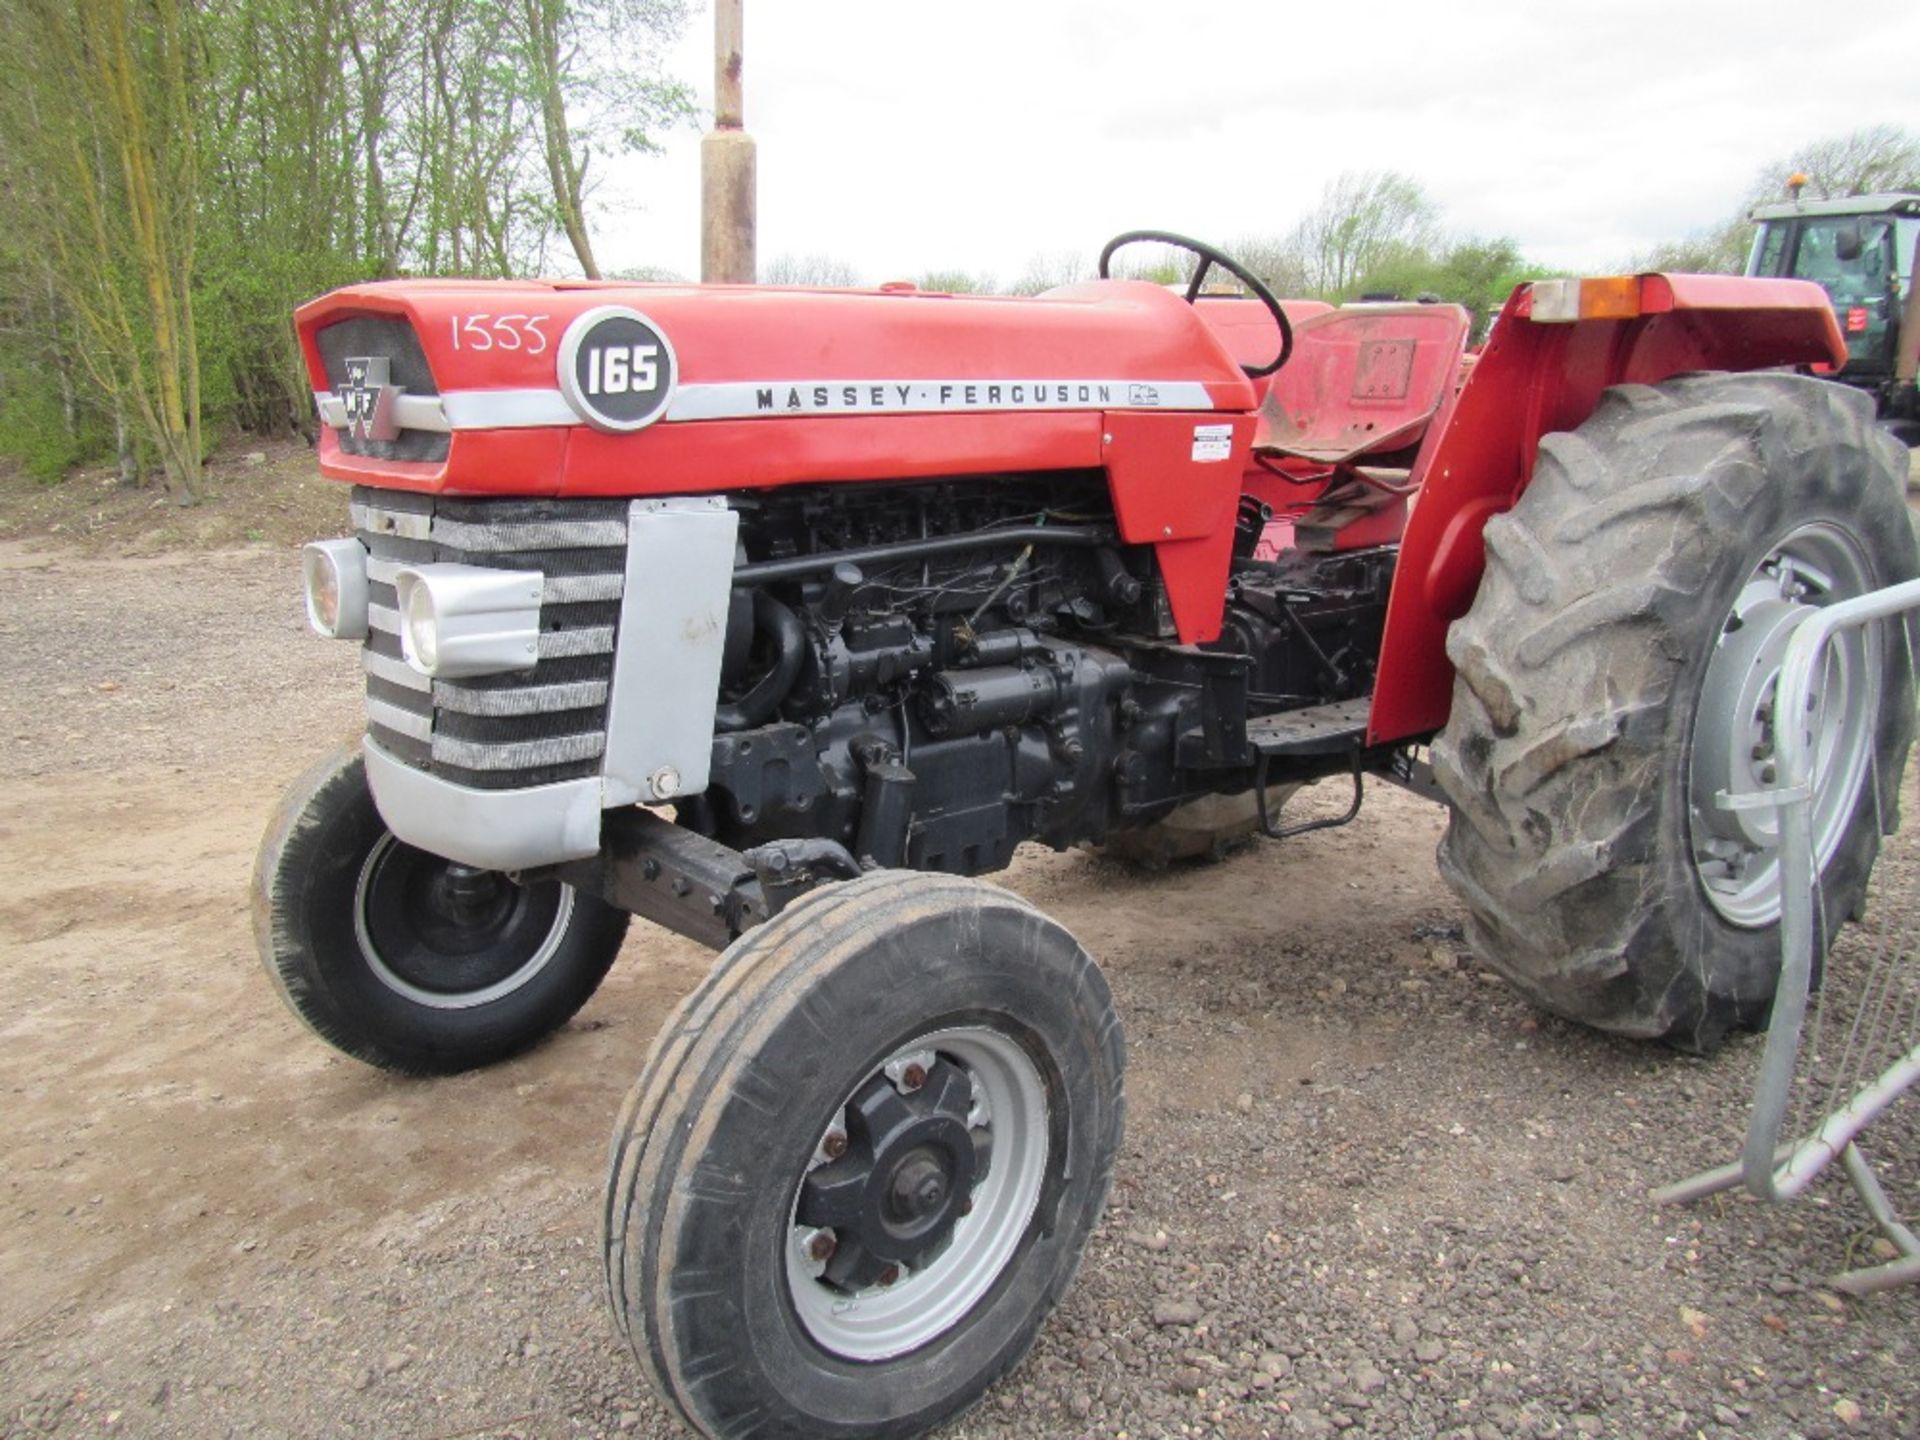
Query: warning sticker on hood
[[1212, 442]]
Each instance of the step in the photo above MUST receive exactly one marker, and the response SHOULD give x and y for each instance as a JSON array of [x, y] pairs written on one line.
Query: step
[[1316, 730]]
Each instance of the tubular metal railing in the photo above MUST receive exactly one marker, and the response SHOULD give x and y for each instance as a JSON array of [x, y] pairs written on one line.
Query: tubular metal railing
[[1843, 1042]]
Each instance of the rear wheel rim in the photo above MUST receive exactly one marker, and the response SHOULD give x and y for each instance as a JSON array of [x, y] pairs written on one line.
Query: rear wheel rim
[[977, 1233], [451, 937], [1736, 852]]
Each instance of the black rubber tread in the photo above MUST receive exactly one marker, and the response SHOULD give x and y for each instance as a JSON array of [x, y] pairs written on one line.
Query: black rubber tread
[[730, 1050], [302, 901], [1577, 670]]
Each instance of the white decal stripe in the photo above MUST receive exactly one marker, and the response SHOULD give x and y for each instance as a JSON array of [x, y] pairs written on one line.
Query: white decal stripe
[[756, 399], [739, 400]]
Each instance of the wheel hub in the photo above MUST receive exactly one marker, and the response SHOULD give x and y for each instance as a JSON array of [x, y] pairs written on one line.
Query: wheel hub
[[919, 1192], [451, 936], [910, 1163], [1734, 749]]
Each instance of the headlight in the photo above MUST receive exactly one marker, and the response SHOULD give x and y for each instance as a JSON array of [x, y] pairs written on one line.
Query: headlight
[[336, 577], [460, 620], [419, 633]]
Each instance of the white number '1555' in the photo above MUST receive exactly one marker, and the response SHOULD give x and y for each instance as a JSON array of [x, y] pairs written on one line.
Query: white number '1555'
[[617, 369]]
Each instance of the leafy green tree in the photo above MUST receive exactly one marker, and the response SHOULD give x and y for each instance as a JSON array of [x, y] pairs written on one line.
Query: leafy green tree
[[101, 119]]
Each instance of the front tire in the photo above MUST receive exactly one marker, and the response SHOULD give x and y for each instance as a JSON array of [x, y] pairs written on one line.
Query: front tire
[[863, 1160], [403, 959], [1616, 673]]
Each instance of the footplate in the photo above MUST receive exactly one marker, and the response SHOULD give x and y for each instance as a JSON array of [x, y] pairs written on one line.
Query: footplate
[[1317, 730]]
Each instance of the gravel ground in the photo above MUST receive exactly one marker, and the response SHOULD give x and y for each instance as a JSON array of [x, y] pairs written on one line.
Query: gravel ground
[[1365, 1189]]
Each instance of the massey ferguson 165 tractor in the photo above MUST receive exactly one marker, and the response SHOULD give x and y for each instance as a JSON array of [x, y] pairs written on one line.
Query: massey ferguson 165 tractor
[[775, 617]]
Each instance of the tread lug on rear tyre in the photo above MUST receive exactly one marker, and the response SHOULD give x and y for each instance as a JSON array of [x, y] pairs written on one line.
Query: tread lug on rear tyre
[[863, 1160], [1616, 672], [403, 959]]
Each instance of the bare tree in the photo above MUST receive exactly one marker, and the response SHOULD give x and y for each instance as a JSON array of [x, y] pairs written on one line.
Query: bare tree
[[1363, 218], [1860, 162], [812, 268], [1044, 272], [601, 60]]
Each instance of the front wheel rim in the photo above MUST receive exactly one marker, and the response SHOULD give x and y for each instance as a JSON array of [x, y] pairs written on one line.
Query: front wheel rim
[[905, 1306], [1736, 852], [449, 937]]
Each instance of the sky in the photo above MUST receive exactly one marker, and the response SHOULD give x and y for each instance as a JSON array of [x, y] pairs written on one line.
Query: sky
[[983, 136]]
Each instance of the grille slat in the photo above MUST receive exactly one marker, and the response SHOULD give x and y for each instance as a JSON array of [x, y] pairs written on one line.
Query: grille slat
[[403, 721], [518, 755], [544, 724], [394, 672], [525, 700], [484, 539]]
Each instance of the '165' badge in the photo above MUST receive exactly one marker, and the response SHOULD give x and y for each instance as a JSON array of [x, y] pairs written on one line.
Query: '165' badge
[[617, 369]]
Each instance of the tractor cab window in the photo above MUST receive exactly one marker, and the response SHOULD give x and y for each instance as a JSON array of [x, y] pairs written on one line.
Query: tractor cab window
[[1770, 257], [1850, 255]]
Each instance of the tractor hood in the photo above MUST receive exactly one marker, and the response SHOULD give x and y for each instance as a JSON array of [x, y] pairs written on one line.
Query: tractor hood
[[492, 387]]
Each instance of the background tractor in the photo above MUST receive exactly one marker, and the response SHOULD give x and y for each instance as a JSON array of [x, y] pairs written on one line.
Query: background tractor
[[776, 617], [1864, 251]]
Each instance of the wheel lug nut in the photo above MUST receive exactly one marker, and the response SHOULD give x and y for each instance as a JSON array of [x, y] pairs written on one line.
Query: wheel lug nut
[[835, 1145], [966, 1204], [1761, 752], [1767, 774], [889, 1275], [822, 1246], [913, 1077]]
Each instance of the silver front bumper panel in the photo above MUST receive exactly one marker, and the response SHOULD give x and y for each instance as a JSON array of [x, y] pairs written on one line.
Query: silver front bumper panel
[[491, 829]]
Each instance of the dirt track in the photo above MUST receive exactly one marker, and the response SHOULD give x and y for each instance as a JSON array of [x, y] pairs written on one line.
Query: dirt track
[[1399, 1203]]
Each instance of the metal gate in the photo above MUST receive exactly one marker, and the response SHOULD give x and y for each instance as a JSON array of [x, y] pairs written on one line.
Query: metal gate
[[1844, 1040]]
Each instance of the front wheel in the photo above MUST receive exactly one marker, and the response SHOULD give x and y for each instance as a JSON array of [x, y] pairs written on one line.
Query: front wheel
[[1616, 677], [863, 1160], [407, 960]]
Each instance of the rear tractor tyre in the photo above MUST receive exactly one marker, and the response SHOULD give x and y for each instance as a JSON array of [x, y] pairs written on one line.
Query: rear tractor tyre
[[862, 1161], [406, 960], [1617, 671]]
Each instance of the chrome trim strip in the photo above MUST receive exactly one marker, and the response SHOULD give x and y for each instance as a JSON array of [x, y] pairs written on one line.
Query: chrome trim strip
[[403, 722], [410, 412], [774, 399], [743, 400], [506, 409], [394, 672], [518, 755], [522, 700]]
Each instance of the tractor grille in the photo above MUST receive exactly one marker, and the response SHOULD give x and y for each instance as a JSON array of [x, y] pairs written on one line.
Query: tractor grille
[[497, 732]]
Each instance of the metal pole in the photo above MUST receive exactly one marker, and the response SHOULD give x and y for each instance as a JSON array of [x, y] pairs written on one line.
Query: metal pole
[[727, 179]]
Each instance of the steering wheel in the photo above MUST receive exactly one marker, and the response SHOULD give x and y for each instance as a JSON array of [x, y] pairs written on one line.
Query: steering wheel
[[1210, 257]]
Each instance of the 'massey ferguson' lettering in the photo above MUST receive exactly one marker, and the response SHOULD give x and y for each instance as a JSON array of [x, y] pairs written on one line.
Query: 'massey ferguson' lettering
[[899, 397]]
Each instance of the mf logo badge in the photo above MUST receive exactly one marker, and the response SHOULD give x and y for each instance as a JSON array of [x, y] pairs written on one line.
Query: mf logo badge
[[617, 369], [368, 397]]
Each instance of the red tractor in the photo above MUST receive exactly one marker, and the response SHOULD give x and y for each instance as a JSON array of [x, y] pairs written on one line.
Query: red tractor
[[776, 616]]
